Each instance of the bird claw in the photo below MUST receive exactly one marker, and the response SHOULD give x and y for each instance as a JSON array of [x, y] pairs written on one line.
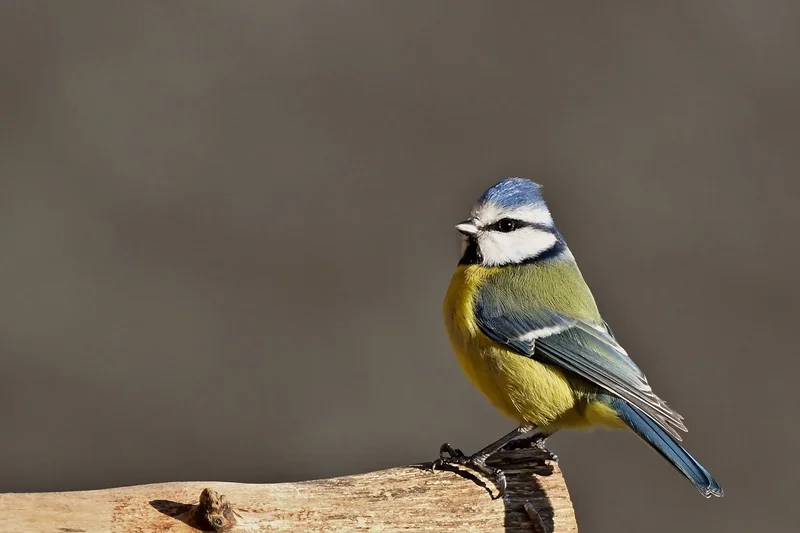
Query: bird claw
[[447, 455], [449, 451], [536, 442], [454, 456]]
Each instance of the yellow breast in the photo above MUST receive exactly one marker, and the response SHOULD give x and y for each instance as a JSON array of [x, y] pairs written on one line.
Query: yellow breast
[[521, 388]]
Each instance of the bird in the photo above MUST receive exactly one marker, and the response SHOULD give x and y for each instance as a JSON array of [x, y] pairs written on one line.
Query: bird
[[528, 334]]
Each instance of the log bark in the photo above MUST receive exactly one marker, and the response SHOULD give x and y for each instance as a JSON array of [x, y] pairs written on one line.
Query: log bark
[[410, 498]]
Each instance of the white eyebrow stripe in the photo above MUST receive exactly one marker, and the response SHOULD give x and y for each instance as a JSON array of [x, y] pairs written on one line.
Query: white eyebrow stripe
[[535, 214]]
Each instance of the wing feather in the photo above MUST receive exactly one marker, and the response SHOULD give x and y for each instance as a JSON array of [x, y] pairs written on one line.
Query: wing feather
[[581, 347]]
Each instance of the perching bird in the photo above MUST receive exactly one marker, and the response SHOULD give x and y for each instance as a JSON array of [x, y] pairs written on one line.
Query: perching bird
[[526, 330]]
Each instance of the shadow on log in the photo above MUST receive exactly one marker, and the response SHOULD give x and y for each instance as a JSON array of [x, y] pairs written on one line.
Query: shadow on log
[[411, 498]]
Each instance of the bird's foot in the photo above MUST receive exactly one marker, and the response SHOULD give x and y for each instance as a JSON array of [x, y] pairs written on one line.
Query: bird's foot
[[453, 456], [535, 441]]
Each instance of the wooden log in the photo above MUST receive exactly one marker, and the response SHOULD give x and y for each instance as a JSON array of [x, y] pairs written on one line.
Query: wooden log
[[410, 498]]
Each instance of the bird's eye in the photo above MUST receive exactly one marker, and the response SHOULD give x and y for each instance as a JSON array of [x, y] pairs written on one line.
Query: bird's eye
[[507, 225]]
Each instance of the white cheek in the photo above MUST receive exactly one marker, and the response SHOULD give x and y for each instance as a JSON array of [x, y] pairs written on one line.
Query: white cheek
[[502, 248]]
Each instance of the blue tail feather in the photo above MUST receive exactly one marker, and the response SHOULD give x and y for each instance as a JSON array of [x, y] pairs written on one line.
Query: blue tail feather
[[649, 430]]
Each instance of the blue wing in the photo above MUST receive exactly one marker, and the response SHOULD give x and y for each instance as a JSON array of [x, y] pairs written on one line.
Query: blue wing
[[584, 348]]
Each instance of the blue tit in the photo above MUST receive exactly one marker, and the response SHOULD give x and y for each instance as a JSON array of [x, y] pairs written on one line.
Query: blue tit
[[526, 330]]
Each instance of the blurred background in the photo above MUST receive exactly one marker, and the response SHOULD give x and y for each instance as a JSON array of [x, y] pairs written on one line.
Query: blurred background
[[226, 230]]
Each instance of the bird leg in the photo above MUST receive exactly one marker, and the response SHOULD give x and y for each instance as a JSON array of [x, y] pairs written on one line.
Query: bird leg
[[477, 461], [536, 441]]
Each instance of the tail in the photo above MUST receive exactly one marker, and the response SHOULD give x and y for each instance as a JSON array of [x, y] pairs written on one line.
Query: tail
[[663, 443]]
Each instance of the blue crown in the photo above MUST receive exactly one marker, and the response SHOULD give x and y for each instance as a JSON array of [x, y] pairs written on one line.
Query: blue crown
[[513, 192]]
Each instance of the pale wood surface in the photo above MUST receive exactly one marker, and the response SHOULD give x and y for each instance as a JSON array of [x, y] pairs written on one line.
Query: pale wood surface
[[410, 498]]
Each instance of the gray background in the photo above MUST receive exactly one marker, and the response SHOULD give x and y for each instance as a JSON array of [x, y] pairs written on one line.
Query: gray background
[[226, 229]]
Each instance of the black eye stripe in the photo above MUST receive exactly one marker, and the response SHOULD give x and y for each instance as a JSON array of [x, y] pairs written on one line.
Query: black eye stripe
[[506, 225]]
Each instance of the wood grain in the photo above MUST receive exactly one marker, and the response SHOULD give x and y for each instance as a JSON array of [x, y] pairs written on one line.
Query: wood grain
[[410, 498]]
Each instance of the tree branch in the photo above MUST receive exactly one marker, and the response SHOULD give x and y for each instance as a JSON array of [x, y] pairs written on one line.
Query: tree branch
[[410, 498]]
